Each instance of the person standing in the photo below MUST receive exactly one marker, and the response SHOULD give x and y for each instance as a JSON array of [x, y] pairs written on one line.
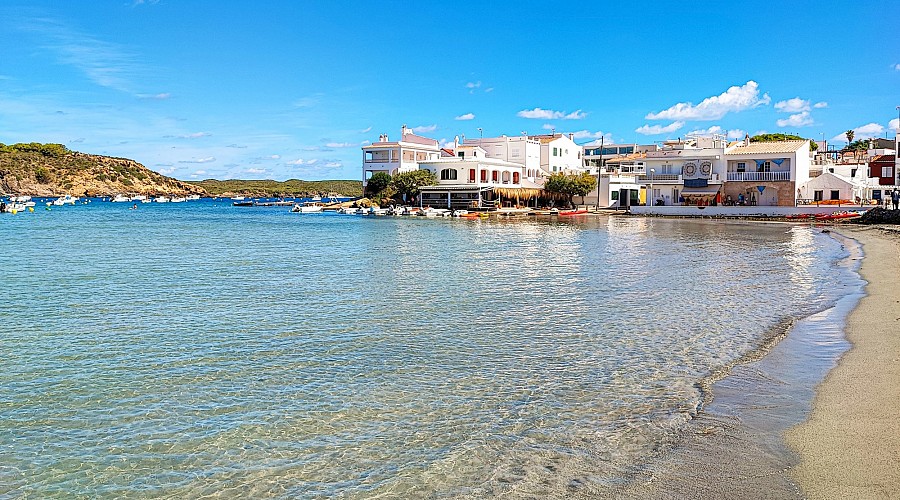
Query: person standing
[[895, 198]]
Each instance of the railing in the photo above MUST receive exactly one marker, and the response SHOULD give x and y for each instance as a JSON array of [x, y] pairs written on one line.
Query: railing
[[759, 176], [659, 177], [383, 161]]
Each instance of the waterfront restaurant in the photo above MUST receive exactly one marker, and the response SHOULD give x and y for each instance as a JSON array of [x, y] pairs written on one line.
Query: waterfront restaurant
[[394, 157], [472, 180]]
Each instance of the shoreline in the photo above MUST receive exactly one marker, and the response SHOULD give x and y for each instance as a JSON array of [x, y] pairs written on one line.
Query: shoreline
[[849, 446]]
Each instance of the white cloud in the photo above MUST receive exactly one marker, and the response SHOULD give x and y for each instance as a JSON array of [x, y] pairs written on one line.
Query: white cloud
[[489, 89], [200, 172], [255, 171], [736, 133], [195, 135], [275, 157], [158, 97], [795, 105], [548, 126], [424, 129], [894, 124], [208, 159], [167, 171], [659, 129], [820, 105], [473, 85], [798, 120], [104, 63], [342, 144], [866, 131], [467, 116], [308, 102], [298, 161], [549, 114], [586, 134], [334, 164], [365, 130], [715, 129], [734, 99], [897, 67]]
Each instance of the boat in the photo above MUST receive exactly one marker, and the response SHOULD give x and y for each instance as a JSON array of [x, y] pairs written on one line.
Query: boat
[[309, 207], [242, 203], [434, 212], [837, 216], [138, 197], [572, 212], [193, 197], [161, 199], [178, 199], [238, 198], [316, 198], [120, 199], [65, 200]]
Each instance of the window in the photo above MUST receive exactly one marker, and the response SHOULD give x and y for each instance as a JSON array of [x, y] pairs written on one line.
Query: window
[[741, 167], [516, 152], [835, 194], [471, 175], [554, 151], [494, 175], [484, 176], [887, 172], [461, 154], [817, 195], [614, 195], [448, 174], [515, 177], [766, 166]]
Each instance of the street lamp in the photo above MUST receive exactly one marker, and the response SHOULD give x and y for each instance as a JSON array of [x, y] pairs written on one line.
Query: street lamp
[[482, 134], [650, 192]]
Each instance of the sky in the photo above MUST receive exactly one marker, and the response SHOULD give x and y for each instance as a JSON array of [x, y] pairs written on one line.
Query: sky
[[282, 90]]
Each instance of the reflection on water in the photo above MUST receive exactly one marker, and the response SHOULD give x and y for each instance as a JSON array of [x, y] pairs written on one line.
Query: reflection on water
[[259, 353]]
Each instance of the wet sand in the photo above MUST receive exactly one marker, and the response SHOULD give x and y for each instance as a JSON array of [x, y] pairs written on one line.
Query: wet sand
[[850, 445]]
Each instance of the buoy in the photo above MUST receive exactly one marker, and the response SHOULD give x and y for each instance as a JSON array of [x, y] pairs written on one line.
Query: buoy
[[31, 209], [14, 211]]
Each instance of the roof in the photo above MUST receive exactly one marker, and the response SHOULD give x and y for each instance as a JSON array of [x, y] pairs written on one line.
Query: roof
[[418, 139], [882, 158], [766, 148]]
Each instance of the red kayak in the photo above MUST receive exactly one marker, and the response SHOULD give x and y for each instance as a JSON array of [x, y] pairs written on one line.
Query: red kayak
[[573, 212]]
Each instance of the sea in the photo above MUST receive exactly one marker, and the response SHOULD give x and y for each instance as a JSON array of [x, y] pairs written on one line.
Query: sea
[[205, 350]]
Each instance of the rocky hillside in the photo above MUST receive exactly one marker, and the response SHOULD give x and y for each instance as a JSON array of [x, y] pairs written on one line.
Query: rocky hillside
[[269, 188], [51, 169]]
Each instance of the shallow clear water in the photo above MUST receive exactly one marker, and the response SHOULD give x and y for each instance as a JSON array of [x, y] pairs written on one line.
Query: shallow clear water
[[203, 349]]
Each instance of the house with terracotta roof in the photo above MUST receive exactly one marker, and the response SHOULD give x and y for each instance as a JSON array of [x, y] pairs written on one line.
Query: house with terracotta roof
[[767, 173], [394, 157], [881, 167]]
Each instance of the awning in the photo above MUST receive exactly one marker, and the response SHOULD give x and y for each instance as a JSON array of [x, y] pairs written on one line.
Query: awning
[[700, 191]]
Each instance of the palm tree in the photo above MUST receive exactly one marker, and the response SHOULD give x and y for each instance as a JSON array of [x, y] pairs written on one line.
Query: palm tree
[[850, 133]]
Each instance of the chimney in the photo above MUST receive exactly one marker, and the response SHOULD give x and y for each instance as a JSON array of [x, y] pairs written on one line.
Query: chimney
[[746, 139], [455, 143], [404, 130], [571, 136]]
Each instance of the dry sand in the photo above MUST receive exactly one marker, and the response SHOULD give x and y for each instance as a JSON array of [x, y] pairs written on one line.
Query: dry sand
[[850, 446]]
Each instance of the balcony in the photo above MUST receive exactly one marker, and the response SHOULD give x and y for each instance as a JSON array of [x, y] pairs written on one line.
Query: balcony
[[758, 176]]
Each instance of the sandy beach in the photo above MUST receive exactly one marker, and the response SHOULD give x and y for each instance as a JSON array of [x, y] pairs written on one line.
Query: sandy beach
[[850, 445]]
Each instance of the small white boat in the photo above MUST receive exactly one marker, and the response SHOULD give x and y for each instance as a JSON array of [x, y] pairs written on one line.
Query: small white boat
[[161, 199], [178, 199], [316, 198], [138, 197], [434, 212], [309, 207], [20, 199], [65, 200], [120, 199], [193, 197], [238, 198]]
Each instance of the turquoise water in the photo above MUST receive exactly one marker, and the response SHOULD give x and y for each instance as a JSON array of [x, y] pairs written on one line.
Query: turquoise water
[[203, 349]]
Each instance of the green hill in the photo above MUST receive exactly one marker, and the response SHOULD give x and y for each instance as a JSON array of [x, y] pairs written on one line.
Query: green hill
[[37, 169], [269, 188]]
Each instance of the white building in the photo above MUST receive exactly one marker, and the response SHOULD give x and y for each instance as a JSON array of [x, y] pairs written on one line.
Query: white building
[[829, 186], [398, 156], [689, 171], [521, 149], [767, 173], [559, 154], [473, 179]]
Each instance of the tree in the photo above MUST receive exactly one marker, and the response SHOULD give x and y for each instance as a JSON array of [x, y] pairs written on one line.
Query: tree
[[570, 185], [378, 182], [849, 134], [783, 137], [408, 183]]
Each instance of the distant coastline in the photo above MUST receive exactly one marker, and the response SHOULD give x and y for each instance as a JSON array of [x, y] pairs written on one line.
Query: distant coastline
[[36, 169]]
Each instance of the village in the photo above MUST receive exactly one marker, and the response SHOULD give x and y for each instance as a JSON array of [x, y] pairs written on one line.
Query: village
[[694, 175]]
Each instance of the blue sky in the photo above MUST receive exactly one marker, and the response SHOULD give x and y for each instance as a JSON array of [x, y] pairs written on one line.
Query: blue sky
[[292, 89]]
